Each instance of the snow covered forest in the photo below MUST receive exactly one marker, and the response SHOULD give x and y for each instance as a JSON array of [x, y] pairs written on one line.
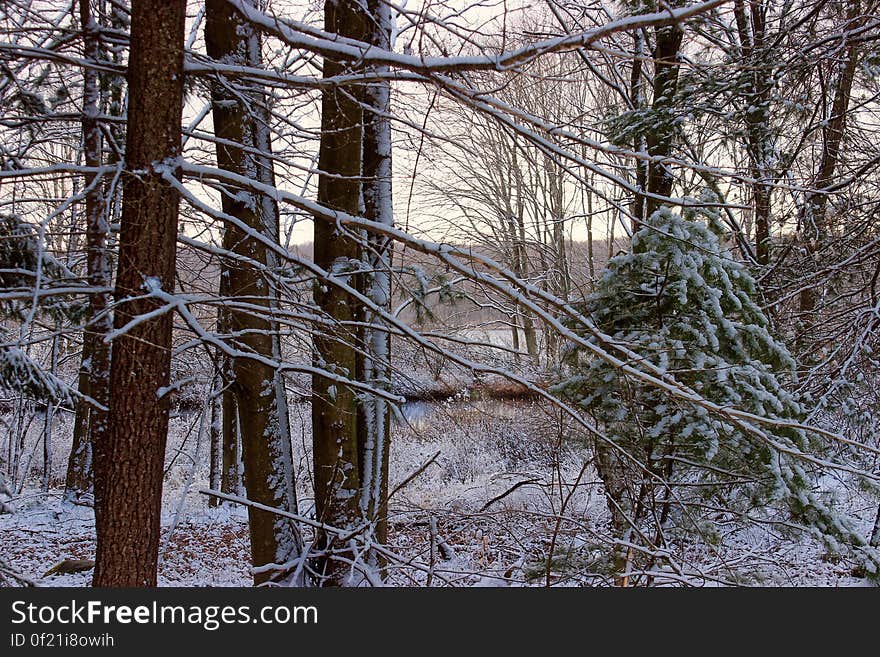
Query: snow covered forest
[[455, 293]]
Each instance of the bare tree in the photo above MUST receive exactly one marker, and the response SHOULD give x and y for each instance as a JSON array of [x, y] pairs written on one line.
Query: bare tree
[[813, 220]]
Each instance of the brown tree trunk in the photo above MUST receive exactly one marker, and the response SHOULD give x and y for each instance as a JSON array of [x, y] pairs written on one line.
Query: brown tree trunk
[[659, 141], [591, 264], [616, 480], [814, 225], [520, 255], [240, 117], [761, 193], [637, 101], [751, 34], [230, 478], [78, 480], [334, 405], [129, 460], [90, 421], [215, 467]]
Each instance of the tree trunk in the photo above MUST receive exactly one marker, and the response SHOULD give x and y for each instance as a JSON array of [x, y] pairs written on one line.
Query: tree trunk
[[751, 33], [374, 434], [637, 101], [48, 419], [129, 459], [659, 141], [335, 432], [875, 532], [520, 255], [91, 422], [615, 477], [813, 220], [240, 117], [215, 467], [78, 481], [761, 193], [230, 479], [591, 264]]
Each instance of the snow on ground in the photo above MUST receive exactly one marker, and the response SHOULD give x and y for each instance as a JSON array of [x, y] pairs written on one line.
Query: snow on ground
[[484, 450], [206, 549]]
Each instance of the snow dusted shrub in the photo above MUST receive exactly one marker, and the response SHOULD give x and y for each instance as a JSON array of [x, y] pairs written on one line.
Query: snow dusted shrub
[[24, 262], [671, 467], [24, 376]]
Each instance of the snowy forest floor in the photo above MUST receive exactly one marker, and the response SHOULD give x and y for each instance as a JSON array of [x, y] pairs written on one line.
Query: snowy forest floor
[[488, 528]]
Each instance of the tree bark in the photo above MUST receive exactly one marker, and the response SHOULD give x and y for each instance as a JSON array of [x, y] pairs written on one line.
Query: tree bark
[[875, 532], [335, 412], [90, 422], [814, 225], [78, 480], [241, 117], [230, 478], [751, 33], [129, 459], [48, 451], [637, 101], [591, 264], [374, 431], [520, 254], [215, 466], [659, 141]]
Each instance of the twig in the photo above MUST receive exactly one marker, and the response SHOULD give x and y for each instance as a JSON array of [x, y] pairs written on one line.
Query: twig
[[510, 490], [7, 571], [446, 551], [415, 474]]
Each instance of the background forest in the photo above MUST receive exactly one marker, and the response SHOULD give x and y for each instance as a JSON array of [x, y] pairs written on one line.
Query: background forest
[[452, 293]]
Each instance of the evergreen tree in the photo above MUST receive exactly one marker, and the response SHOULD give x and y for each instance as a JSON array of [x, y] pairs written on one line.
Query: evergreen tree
[[683, 304], [24, 265]]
